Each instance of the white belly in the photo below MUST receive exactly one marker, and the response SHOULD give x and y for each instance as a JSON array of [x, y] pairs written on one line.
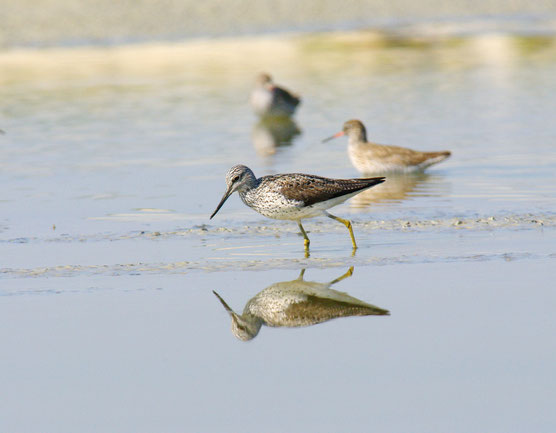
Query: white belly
[[261, 101], [276, 206]]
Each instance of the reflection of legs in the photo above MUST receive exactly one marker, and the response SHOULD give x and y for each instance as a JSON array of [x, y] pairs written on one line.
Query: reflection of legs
[[304, 233], [347, 224], [346, 275]]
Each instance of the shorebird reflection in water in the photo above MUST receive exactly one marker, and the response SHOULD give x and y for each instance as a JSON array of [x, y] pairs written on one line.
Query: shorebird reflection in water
[[269, 133], [400, 187], [369, 157], [297, 303], [293, 196]]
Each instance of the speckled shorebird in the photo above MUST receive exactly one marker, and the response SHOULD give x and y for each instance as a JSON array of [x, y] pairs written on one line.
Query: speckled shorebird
[[368, 157], [268, 99], [293, 196], [297, 303]]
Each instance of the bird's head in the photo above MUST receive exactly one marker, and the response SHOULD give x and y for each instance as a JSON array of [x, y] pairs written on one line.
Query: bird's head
[[239, 178]]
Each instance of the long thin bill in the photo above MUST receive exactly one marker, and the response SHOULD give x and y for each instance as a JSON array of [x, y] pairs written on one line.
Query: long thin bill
[[338, 134], [224, 198]]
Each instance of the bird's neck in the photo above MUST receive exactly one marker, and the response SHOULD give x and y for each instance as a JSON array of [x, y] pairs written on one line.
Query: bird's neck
[[249, 184], [357, 137], [250, 325], [248, 193]]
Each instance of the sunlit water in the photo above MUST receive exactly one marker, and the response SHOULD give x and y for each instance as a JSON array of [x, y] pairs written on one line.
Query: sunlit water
[[113, 159]]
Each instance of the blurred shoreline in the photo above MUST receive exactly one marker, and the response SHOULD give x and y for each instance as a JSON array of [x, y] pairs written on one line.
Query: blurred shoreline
[[57, 23], [231, 48]]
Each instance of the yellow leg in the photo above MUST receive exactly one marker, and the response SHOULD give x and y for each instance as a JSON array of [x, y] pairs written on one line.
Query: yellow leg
[[347, 224], [305, 237], [349, 273]]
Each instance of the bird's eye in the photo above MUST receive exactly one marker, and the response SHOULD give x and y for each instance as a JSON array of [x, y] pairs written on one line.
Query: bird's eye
[[235, 179]]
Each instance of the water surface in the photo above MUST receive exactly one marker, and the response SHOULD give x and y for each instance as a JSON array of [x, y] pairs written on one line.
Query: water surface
[[113, 159]]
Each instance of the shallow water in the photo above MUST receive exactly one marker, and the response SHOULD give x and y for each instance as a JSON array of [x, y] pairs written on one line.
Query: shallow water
[[113, 159]]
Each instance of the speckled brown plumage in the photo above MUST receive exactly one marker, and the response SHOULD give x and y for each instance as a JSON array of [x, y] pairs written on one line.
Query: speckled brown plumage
[[297, 303], [293, 196], [317, 310], [310, 189]]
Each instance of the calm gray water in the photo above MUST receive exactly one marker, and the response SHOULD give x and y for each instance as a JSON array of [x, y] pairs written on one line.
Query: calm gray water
[[113, 159]]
